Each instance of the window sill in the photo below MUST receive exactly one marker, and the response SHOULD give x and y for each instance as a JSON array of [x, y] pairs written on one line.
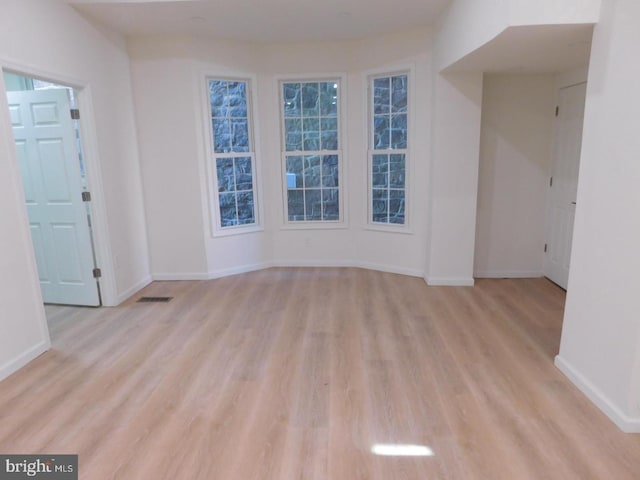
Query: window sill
[[314, 226], [402, 229], [239, 230]]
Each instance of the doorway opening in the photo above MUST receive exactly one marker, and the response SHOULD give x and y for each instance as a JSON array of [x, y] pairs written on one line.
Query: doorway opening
[[46, 129], [563, 183]]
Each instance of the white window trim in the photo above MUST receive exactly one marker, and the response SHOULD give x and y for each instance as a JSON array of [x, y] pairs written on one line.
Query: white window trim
[[217, 230], [368, 77], [342, 223]]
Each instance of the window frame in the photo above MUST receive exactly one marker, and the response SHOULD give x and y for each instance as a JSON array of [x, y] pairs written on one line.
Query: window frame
[[217, 230], [369, 78], [342, 222]]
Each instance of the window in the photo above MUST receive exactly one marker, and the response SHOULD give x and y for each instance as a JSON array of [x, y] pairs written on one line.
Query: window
[[311, 142], [233, 153], [388, 148]]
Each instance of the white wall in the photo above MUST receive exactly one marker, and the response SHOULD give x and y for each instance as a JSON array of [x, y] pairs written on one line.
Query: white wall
[[50, 39], [550, 12], [600, 348], [169, 173], [180, 227], [453, 180], [23, 326], [467, 25], [515, 164]]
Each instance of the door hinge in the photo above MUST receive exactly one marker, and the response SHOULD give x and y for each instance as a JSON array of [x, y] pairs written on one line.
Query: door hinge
[[551, 181], [97, 273], [86, 196], [557, 111], [75, 114], [545, 248]]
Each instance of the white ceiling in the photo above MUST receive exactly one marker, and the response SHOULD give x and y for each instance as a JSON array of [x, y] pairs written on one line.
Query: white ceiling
[[262, 20], [531, 49]]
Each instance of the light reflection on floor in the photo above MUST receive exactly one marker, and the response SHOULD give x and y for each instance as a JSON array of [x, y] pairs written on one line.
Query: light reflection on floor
[[398, 450]]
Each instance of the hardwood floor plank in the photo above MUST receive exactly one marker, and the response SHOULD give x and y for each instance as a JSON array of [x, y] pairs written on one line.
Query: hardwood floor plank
[[296, 373]]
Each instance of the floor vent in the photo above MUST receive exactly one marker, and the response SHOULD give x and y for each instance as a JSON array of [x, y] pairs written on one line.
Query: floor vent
[[154, 299]]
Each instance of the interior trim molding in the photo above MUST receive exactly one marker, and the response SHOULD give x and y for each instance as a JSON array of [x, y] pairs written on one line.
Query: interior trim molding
[[226, 272], [508, 274], [129, 292], [23, 359], [450, 281], [157, 277], [624, 422]]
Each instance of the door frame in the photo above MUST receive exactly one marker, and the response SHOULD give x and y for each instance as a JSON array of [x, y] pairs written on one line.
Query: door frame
[[570, 78], [91, 158]]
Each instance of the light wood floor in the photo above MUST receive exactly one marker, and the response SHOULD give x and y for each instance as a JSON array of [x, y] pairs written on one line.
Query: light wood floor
[[297, 373]]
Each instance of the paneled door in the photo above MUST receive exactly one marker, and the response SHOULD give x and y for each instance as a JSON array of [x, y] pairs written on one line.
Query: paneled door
[[48, 155], [564, 182]]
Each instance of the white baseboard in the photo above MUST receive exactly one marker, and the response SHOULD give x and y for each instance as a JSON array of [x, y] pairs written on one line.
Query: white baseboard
[[21, 360], [226, 272], [179, 276], [410, 272], [450, 281], [353, 264], [132, 290], [315, 263], [624, 422], [508, 274]]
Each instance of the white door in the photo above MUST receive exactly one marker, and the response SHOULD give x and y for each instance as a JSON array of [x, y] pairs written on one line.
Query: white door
[[47, 152], [564, 182]]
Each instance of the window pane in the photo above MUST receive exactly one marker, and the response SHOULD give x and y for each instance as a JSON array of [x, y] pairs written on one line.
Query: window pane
[[295, 205], [380, 208], [310, 113], [396, 171], [399, 93], [310, 100], [389, 132], [235, 184], [330, 172], [331, 204], [226, 179], [381, 132], [218, 94], [399, 131], [245, 208], [311, 135], [313, 204], [329, 135], [293, 135], [230, 116], [240, 135], [396, 206], [228, 213], [381, 95], [311, 125], [311, 141], [237, 99], [310, 116], [294, 172], [312, 171], [292, 99], [380, 171], [244, 176], [329, 99], [221, 135], [231, 134]]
